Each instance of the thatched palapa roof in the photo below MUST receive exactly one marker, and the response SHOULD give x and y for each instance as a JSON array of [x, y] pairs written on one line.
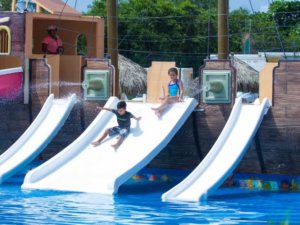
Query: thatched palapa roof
[[247, 76], [133, 77]]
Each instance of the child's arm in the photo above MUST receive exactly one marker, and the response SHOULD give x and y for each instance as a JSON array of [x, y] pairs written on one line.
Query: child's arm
[[181, 90], [136, 118], [102, 108], [162, 94]]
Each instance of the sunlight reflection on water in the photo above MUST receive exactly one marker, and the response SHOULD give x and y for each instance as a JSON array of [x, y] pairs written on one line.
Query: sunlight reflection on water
[[129, 207]]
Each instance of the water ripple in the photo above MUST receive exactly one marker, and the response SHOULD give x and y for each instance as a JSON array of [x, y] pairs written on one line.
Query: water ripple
[[47, 208]]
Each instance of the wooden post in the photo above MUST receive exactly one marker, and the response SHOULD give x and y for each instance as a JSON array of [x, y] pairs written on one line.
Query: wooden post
[[38, 8], [223, 38], [13, 5], [112, 40]]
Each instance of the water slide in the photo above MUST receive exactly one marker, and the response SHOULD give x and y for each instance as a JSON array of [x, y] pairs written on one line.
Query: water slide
[[37, 136], [84, 168], [224, 156]]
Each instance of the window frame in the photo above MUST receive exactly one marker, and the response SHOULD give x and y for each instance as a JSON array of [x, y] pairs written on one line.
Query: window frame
[[7, 29]]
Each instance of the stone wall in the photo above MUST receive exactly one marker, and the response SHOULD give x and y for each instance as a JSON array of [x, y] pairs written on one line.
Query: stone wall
[[14, 119], [17, 28], [279, 133]]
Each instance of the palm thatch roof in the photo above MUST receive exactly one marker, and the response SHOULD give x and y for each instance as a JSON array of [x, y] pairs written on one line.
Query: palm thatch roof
[[133, 77], [247, 76]]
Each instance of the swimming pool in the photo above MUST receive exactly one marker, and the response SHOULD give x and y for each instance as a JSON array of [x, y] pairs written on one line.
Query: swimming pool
[[139, 203]]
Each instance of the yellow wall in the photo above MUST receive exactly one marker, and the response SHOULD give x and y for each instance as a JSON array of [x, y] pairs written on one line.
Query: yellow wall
[[54, 64], [266, 82], [10, 62], [65, 73], [70, 68], [157, 77]]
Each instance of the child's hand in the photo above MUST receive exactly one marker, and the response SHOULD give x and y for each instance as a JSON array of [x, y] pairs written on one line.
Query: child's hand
[[138, 118], [180, 100], [99, 107]]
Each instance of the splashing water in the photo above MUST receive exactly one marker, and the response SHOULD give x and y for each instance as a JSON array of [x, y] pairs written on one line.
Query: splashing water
[[192, 89], [55, 84], [69, 84]]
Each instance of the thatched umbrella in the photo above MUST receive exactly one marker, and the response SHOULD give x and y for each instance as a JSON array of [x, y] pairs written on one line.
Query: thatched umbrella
[[247, 76], [133, 77]]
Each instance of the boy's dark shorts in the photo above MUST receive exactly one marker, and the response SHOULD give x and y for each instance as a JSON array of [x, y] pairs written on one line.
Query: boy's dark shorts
[[123, 132]]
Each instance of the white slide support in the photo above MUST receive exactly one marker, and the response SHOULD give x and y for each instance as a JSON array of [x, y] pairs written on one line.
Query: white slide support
[[224, 156], [81, 167], [37, 136]]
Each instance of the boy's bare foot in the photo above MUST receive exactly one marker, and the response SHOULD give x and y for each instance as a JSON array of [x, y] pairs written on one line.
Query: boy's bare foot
[[115, 146], [96, 143], [157, 113]]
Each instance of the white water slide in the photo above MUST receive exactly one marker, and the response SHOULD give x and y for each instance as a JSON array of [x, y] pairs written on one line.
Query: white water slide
[[224, 156], [84, 168], [37, 136]]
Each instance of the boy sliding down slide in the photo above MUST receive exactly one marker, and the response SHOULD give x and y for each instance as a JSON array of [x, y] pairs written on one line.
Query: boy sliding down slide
[[123, 128], [175, 92]]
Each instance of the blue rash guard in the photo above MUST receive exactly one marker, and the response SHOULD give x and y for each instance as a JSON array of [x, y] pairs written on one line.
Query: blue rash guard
[[174, 88]]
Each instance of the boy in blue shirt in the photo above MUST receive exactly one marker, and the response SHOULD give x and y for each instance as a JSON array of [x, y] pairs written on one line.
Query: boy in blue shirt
[[123, 128]]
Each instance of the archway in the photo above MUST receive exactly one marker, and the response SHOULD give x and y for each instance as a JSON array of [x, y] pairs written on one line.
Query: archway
[[81, 45]]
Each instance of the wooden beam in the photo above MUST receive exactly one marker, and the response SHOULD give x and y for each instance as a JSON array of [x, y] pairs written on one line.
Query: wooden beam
[[4, 19], [38, 8], [223, 38], [13, 5], [112, 40], [56, 7]]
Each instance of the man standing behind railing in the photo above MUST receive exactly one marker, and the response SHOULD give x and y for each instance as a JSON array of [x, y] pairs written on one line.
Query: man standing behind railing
[[52, 44]]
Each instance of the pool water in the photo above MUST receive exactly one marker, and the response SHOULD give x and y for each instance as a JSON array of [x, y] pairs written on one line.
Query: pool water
[[138, 202]]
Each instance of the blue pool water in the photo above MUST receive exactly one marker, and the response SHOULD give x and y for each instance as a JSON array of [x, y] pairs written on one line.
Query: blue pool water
[[138, 202]]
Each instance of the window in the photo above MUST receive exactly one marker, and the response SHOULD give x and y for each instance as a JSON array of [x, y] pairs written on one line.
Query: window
[[96, 84], [5, 40], [81, 44], [216, 86]]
